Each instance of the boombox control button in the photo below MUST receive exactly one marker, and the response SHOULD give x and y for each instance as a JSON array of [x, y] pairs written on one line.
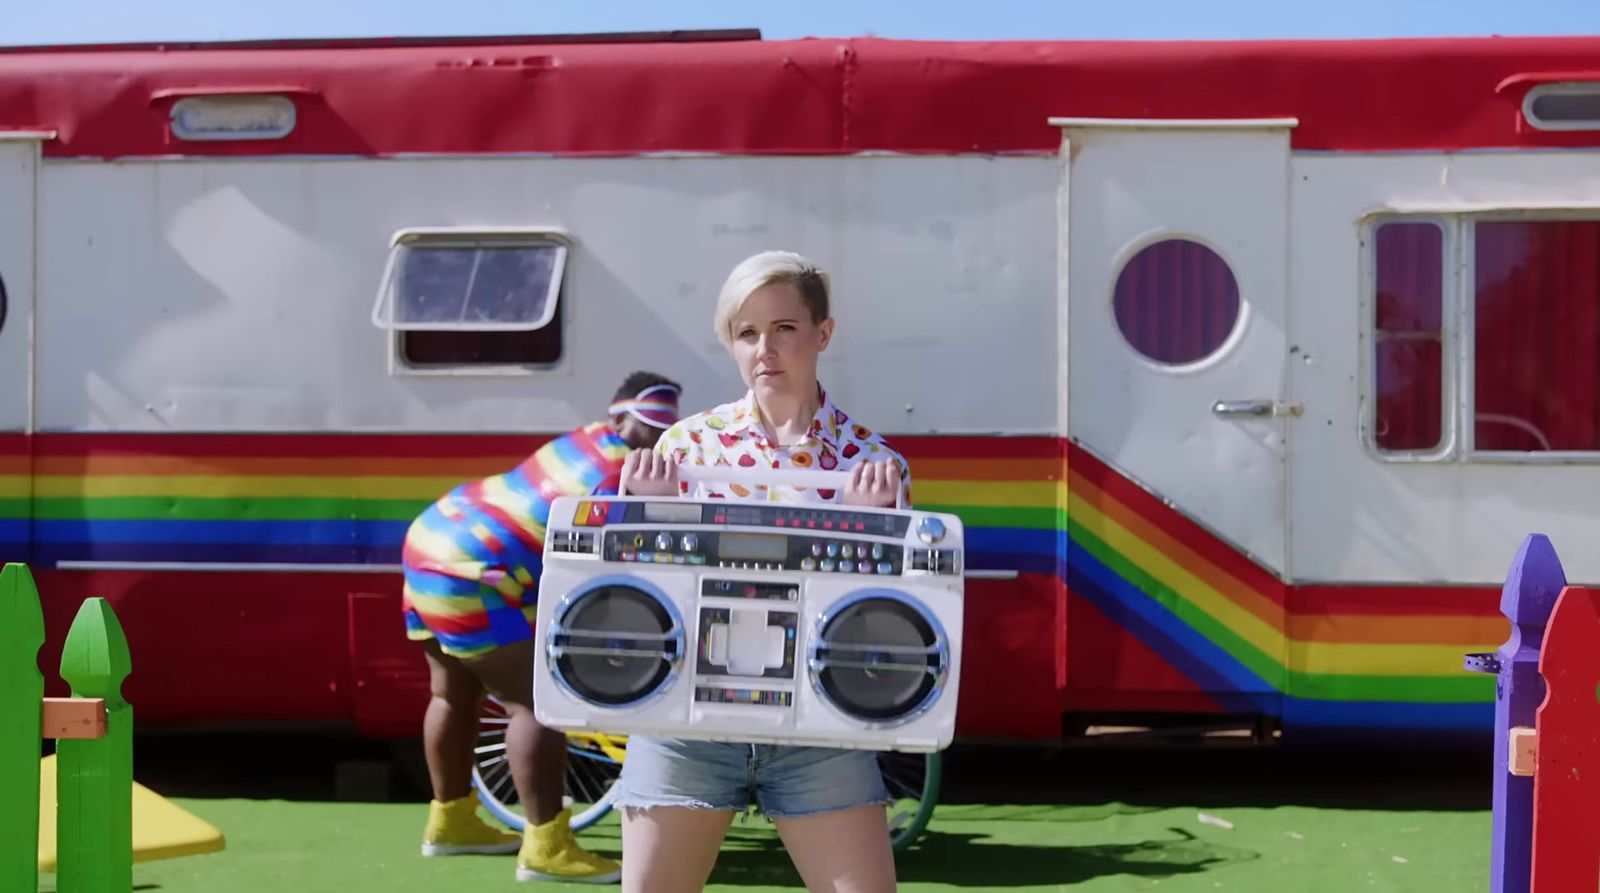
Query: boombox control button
[[816, 549], [663, 542], [861, 550], [864, 567], [690, 542], [833, 549], [827, 564], [846, 566], [885, 567], [808, 564]]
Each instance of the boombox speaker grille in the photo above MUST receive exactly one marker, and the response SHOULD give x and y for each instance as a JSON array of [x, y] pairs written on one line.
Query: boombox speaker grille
[[615, 645], [879, 659]]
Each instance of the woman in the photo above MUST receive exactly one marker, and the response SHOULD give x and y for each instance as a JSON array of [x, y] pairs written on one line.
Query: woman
[[472, 562], [678, 797]]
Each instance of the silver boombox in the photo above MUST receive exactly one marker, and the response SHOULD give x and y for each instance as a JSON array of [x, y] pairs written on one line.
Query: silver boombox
[[778, 623]]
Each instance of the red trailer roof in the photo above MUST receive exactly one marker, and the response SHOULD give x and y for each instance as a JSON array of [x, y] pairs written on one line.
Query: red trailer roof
[[721, 93]]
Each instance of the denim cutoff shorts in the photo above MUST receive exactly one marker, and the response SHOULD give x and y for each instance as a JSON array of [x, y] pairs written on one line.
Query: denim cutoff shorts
[[784, 782]]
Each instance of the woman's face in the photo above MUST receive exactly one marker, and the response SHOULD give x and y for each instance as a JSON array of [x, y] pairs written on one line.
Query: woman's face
[[776, 344]]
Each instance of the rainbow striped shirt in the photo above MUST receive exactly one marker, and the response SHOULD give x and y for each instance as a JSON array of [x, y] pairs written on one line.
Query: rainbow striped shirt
[[498, 524]]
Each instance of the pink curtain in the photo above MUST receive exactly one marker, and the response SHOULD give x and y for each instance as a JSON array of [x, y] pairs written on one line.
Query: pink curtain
[[1408, 374], [1537, 354], [1176, 301]]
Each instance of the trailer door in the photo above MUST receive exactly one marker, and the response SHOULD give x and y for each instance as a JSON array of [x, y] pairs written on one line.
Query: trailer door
[[1175, 269], [1176, 255]]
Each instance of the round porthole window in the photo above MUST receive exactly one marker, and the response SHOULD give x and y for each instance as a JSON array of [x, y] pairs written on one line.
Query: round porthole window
[[1176, 301]]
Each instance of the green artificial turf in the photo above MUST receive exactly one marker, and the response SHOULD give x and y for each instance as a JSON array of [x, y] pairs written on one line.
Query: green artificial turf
[[278, 845]]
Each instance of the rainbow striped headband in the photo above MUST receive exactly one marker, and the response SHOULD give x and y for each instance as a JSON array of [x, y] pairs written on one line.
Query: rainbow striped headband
[[656, 405]]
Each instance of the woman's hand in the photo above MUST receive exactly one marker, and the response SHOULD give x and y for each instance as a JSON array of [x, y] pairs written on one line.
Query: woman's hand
[[874, 484], [647, 473]]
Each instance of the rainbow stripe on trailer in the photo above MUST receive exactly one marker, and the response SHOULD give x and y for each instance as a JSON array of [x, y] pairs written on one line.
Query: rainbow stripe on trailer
[[1217, 624]]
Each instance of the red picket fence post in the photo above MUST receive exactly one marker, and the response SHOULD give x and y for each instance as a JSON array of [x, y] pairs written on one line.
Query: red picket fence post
[[1566, 769]]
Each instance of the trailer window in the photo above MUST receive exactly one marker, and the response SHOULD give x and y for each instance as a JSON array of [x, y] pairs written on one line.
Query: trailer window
[[1536, 356], [1565, 106], [455, 298], [540, 347], [1408, 336], [1176, 301]]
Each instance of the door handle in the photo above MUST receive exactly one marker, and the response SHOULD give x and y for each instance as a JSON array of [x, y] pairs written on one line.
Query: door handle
[[1255, 409]]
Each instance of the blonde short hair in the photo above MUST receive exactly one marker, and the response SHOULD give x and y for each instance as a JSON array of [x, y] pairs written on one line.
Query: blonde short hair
[[764, 269]]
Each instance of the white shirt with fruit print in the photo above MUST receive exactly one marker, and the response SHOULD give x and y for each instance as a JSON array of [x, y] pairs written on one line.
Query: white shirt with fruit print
[[732, 435]]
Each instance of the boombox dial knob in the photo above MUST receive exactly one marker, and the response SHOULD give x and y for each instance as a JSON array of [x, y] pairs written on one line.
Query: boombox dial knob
[[690, 542], [663, 542]]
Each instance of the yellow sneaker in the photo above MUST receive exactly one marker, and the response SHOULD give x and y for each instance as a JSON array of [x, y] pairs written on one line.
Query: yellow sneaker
[[550, 853], [454, 829]]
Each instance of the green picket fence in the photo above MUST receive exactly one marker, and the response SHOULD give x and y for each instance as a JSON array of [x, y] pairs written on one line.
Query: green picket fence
[[94, 759]]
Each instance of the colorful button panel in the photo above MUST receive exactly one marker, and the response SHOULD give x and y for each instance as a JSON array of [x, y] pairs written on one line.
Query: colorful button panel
[[764, 697]]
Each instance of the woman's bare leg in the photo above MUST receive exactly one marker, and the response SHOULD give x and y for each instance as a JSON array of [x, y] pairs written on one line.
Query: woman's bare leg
[[671, 849], [538, 756], [450, 725], [846, 851]]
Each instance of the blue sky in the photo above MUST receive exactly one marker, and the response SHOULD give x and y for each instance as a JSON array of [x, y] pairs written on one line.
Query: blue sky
[[91, 21]]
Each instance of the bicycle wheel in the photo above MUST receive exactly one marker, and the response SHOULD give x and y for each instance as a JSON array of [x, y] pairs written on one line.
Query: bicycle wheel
[[913, 781], [593, 763]]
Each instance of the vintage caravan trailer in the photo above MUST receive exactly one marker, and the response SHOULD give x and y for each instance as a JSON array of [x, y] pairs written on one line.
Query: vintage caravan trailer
[[1246, 365]]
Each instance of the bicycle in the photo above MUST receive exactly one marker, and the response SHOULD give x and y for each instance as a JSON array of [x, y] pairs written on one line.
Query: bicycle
[[594, 762]]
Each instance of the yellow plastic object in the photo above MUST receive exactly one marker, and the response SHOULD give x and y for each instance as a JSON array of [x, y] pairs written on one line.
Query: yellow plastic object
[[613, 746], [161, 829]]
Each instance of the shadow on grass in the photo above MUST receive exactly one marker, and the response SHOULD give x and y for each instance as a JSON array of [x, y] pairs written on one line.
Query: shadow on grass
[[49, 887], [978, 861], [975, 860]]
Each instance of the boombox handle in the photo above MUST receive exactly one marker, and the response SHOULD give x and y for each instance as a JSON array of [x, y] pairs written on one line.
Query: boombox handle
[[789, 477]]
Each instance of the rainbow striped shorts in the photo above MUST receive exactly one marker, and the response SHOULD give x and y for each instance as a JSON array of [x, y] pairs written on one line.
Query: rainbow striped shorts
[[457, 597]]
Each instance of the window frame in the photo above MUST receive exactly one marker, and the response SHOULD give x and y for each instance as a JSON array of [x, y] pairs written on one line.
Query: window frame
[[1449, 309], [491, 236], [1458, 321]]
